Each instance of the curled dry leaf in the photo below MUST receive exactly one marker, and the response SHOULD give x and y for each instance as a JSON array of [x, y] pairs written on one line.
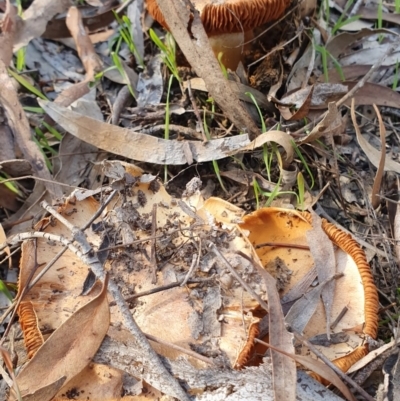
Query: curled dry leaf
[[374, 155], [284, 234], [329, 125], [69, 349]]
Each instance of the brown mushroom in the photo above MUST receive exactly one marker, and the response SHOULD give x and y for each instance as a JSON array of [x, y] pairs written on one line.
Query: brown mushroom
[[229, 23], [355, 290]]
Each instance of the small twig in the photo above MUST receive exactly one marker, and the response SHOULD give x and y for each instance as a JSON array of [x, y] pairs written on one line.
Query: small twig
[[180, 349], [281, 245], [195, 263], [324, 359], [339, 317], [237, 277], [276, 48], [164, 288], [196, 112]]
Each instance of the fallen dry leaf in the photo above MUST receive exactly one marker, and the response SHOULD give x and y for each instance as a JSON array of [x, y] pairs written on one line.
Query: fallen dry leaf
[[302, 110], [88, 56], [142, 147], [284, 368], [8, 30], [35, 19], [374, 155], [3, 238], [303, 309], [323, 370], [18, 122], [95, 382], [321, 248], [85, 48], [376, 188], [69, 349], [329, 124], [104, 16]]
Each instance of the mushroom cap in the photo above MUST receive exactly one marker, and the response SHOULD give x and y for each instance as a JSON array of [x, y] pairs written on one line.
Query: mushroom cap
[[228, 16]]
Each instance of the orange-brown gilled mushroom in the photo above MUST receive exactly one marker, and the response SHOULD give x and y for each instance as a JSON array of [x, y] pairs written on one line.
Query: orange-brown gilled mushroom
[[355, 290], [229, 23]]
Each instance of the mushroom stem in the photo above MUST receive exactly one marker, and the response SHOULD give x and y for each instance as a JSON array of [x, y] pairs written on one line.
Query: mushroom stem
[[231, 45]]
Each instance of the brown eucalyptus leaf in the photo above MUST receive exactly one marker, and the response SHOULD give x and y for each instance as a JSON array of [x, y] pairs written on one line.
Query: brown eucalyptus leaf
[[375, 199], [374, 155], [85, 47], [7, 33], [143, 147], [3, 239], [35, 20], [323, 370], [69, 349], [283, 368], [330, 122], [19, 124], [46, 392], [322, 251]]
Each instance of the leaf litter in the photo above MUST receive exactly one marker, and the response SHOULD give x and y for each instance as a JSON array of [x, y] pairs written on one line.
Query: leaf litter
[[160, 245]]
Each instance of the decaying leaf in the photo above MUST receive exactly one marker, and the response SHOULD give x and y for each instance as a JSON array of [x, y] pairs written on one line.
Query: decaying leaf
[[70, 348], [375, 199], [284, 368], [18, 122], [8, 30], [35, 19], [142, 147], [322, 251], [95, 382], [374, 155], [329, 124]]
